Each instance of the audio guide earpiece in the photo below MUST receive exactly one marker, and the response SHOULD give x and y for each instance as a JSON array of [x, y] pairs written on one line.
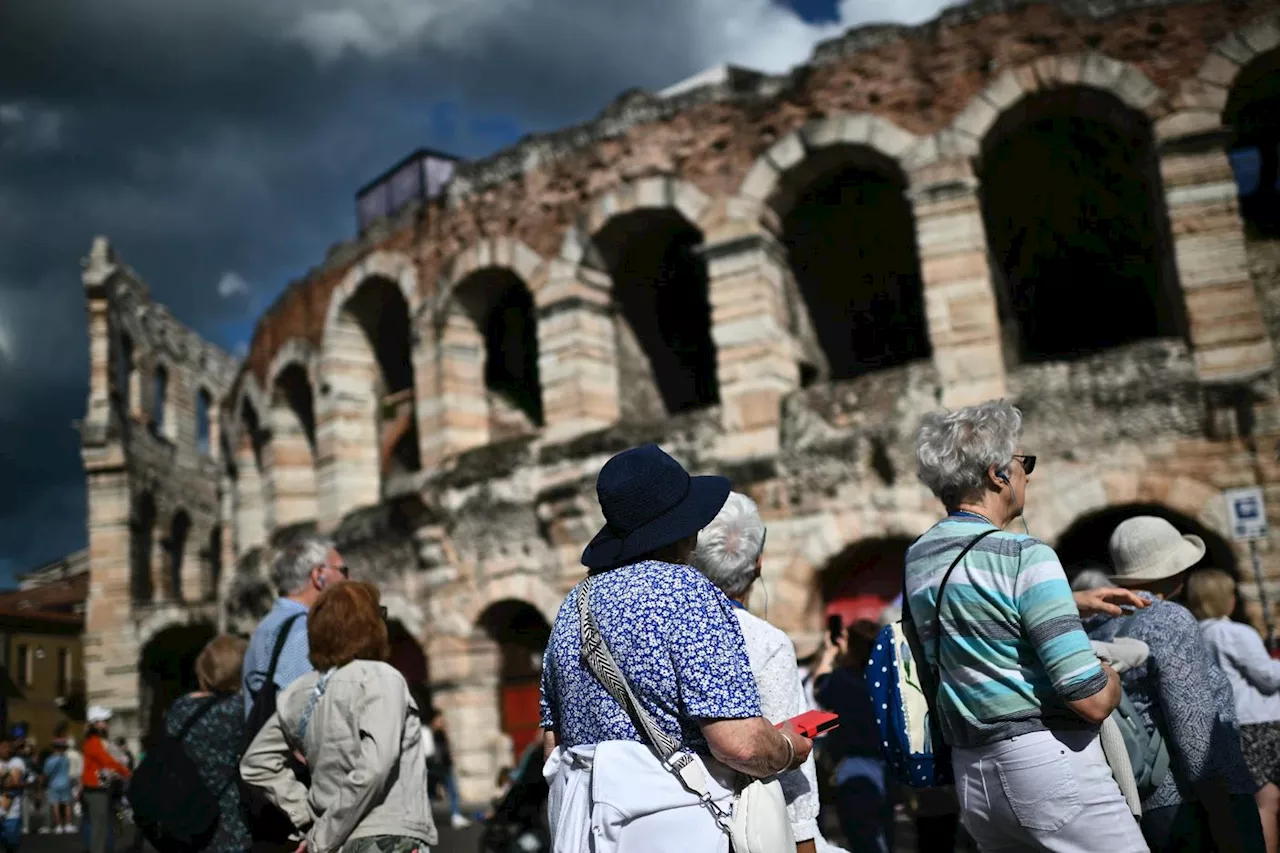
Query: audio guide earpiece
[[1003, 476]]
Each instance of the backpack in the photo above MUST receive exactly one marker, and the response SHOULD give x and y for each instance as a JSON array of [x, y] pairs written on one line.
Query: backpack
[[172, 806], [1148, 751], [265, 821], [904, 694]]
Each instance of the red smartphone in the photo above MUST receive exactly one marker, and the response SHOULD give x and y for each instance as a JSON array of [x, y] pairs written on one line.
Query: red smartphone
[[814, 723]]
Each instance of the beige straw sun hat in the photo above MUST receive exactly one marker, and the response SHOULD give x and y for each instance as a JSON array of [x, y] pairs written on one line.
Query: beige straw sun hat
[[1146, 548]]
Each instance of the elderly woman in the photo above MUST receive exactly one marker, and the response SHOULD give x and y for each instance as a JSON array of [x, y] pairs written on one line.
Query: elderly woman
[[360, 732], [1021, 690], [1205, 802], [730, 553], [678, 646], [215, 713], [1255, 684]]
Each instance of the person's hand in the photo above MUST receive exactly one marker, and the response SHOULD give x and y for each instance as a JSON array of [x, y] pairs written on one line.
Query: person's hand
[[302, 846], [1108, 600], [803, 746]]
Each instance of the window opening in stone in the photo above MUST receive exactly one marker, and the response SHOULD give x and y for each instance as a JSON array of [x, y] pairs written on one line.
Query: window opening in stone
[[858, 583], [851, 243], [159, 395], [179, 531], [213, 561], [1253, 115], [501, 306], [166, 669], [382, 314], [142, 524], [1077, 227], [521, 634], [203, 404], [124, 374], [667, 361], [293, 443]]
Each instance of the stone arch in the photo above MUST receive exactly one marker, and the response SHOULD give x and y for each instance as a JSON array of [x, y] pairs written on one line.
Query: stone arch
[[291, 453], [160, 400], [247, 390], [1250, 111], [971, 126], [206, 421], [385, 264], [763, 182], [168, 649], [520, 587], [836, 193], [178, 544], [1080, 129], [641, 243], [367, 425], [142, 532], [485, 350]]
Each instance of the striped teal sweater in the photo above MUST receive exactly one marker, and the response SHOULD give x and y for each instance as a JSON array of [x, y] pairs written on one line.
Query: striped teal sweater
[[1013, 649]]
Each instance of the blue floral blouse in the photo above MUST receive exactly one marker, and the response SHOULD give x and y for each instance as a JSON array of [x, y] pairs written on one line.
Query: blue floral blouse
[[676, 640]]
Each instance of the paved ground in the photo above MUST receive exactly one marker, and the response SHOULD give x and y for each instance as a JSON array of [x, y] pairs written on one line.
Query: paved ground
[[451, 840]]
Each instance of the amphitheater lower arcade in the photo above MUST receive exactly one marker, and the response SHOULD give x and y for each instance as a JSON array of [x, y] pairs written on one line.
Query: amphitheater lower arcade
[[773, 277]]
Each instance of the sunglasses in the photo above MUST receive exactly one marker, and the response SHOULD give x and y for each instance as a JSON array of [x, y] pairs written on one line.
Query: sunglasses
[[1028, 463]]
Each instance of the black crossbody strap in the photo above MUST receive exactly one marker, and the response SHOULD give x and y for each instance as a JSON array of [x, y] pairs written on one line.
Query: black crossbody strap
[[281, 639], [937, 608]]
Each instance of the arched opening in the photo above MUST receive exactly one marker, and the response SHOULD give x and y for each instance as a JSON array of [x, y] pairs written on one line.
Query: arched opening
[[858, 583], [293, 442], [1253, 114], [204, 438], [213, 563], [1084, 544], [501, 307], [167, 671], [521, 634], [1077, 227], [371, 376], [667, 360], [851, 243], [142, 526], [409, 659], [124, 374], [176, 546], [159, 400], [250, 503]]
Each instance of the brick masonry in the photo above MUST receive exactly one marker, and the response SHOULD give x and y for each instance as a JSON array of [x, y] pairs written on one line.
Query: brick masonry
[[499, 509]]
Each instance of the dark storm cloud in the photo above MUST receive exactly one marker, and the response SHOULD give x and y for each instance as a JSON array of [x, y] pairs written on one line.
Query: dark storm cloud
[[210, 139]]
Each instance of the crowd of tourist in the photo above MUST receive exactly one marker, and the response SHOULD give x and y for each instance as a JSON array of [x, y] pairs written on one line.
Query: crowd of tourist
[[1124, 711]]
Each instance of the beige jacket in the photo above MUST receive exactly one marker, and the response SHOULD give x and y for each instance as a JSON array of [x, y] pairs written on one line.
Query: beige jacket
[[370, 777]]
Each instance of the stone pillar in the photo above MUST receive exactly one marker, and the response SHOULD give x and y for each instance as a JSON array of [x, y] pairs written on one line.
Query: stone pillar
[[349, 474], [466, 677], [959, 289], [251, 520], [1225, 322], [577, 351], [757, 360], [454, 409], [290, 467]]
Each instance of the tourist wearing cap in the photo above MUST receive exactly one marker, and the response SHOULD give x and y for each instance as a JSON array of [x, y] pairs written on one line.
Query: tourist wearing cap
[[1022, 692], [1206, 800], [1239, 651], [101, 769], [677, 643]]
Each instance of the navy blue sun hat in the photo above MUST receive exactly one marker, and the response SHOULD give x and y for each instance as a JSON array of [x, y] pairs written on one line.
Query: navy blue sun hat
[[649, 501]]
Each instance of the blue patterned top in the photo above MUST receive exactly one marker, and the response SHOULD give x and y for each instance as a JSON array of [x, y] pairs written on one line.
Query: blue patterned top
[[676, 640]]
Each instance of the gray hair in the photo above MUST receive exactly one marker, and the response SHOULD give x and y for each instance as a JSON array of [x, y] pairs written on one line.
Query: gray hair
[[954, 450], [728, 546], [295, 562], [1090, 579]]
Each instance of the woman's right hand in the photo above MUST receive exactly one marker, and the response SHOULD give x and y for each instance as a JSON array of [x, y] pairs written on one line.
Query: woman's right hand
[[802, 745]]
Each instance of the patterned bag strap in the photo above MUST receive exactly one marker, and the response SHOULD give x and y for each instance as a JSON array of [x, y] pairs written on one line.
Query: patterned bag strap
[[321, 684], [600, 660]]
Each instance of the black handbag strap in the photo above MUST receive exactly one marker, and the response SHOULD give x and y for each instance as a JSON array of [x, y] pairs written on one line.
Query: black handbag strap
[[942, 587]]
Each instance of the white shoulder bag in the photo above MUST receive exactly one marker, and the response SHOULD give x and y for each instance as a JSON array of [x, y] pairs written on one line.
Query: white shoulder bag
[[759, 822]]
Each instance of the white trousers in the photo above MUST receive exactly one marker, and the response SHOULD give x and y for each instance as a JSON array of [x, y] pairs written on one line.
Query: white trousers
[[1044, 791]]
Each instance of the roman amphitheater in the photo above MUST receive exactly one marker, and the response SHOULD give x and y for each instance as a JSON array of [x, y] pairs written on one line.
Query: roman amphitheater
[[773, 276]]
